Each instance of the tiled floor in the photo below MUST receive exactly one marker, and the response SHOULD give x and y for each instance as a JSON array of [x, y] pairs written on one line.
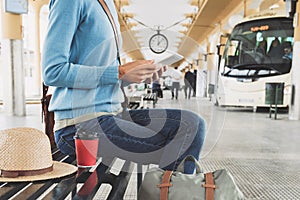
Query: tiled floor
[[263, 154]]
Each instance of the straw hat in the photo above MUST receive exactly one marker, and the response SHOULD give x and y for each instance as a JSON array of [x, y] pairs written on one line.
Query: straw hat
[[25, 155]]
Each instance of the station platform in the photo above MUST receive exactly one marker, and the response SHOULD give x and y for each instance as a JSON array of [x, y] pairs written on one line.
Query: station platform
[[262, 154]]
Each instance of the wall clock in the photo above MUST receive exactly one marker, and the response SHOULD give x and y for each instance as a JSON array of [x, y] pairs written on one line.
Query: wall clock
[[158, 43]]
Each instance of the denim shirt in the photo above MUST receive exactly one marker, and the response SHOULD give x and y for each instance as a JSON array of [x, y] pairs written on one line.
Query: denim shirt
[[80, 59]]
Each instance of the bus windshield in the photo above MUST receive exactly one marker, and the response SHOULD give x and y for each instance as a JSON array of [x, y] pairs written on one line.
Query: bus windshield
[[259, 48]]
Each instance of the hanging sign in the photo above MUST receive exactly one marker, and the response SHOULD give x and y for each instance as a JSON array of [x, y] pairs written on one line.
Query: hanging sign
[[16, 6]]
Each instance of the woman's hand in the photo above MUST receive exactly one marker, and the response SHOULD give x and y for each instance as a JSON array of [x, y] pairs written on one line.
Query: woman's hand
[[160, 70], [157, 74], [137, 71]]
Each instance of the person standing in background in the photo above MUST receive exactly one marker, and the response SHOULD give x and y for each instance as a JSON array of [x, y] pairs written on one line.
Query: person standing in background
[[194, 82], [175, 76], [156, 89], [188, 83]]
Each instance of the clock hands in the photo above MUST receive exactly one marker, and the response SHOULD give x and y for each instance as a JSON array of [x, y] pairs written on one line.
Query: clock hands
[[158, 41]]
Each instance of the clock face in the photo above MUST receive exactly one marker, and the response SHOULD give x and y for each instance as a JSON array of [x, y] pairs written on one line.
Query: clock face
[[158, 43]]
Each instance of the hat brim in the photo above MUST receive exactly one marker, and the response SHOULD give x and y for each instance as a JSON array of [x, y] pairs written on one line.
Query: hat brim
[[60, 169]]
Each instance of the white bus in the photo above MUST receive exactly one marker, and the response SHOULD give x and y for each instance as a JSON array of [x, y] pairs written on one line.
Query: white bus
[[250, 61]]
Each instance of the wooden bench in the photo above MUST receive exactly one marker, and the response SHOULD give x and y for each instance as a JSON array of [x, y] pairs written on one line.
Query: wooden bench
[[138, 102], [82, 185], [150, 97], [135, 102]]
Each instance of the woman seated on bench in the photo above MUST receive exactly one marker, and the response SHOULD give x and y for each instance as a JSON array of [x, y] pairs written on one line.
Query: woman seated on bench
[[80, 59]]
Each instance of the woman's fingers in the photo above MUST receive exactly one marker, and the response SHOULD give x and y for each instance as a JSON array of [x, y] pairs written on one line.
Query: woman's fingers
[[155, 76], [139, 71]]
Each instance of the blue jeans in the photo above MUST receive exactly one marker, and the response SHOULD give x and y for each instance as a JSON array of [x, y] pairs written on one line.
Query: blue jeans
[[159, 136]]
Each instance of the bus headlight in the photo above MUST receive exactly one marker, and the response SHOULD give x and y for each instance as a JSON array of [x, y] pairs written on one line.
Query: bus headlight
[[287, 90]]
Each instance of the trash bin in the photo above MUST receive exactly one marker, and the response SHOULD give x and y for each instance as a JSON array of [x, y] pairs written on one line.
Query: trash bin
[[274, 93], [211, 88]]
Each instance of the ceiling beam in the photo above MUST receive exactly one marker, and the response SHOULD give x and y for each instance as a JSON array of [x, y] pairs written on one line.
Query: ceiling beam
[[130, 45], [211, 13], [267, 3]]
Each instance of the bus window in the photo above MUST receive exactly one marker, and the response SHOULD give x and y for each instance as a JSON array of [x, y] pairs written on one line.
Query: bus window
[[233, 53], [259, 43], [232, 50]]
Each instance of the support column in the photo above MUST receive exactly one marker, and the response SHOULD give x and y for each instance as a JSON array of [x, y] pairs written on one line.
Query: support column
[[37, 5], [12, 64], [294, 112]]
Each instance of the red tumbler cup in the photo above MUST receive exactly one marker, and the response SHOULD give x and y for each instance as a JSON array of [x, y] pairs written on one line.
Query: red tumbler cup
[[86, 151]]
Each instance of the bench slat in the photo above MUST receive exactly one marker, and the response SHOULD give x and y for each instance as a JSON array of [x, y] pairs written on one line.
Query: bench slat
[[10, 189], [62, 189], [33, 191]]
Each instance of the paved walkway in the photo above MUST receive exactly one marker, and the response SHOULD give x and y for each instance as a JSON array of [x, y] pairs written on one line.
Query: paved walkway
[[263, 154]]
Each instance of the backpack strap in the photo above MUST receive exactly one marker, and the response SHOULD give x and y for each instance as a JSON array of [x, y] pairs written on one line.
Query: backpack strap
[[165, 184], [47, 116], [209, 186], [112, 22]]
